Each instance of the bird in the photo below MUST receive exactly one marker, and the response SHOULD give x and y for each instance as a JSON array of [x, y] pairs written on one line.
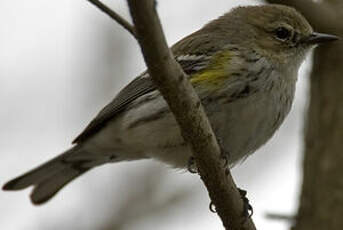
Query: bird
[[243, 66]]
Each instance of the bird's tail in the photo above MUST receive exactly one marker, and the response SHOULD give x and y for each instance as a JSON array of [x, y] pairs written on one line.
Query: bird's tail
[[50, 177]]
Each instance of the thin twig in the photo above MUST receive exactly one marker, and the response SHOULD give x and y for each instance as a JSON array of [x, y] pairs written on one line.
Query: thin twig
[[280, 217], [116, 17]]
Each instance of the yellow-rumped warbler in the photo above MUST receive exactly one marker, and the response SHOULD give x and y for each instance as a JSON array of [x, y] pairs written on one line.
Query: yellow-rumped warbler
[[244, 68]]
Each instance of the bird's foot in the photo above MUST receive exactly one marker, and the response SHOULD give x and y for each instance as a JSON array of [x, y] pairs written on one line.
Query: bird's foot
[[248, 210]]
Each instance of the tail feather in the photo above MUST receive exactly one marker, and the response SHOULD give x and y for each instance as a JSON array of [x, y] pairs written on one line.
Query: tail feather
[[46, 189], [36, 175], [50, 177]]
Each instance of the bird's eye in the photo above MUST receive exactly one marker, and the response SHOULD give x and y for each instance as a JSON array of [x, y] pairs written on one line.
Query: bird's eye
[[282, 33]]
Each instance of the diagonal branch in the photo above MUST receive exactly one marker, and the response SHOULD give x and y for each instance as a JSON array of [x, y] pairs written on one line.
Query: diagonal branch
[[116, 17], [189, 113], [311, 10]]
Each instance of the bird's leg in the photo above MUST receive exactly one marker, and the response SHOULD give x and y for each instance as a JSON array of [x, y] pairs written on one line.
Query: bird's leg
[[225, 155], [248, 210], [191, 166]]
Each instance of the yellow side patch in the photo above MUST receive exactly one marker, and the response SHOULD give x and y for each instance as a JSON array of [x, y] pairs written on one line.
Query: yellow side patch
[[216, 72]]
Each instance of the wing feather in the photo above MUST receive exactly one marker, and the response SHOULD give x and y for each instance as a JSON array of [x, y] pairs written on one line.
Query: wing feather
[[140, 86]]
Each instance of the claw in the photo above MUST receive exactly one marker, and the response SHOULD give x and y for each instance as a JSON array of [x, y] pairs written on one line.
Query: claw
[[212, 207], [248, 210], [192, 168]]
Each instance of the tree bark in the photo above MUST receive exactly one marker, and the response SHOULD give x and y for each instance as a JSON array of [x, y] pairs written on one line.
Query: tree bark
[[321, 201]]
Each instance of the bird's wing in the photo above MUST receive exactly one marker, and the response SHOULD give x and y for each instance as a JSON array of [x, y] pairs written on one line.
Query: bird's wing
[[140, 86]]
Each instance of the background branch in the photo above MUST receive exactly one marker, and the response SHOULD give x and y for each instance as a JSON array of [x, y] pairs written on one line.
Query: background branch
[[116, 17], [189, 113]]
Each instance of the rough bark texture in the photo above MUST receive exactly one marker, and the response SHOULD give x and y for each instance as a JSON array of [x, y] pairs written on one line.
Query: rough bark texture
[[189, 113], [321, 201]]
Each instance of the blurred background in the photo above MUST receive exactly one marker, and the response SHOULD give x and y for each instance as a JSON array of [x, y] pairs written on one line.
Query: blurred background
[[60, 63]]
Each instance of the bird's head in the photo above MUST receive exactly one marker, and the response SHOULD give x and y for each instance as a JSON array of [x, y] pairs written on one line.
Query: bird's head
[[277, 32]]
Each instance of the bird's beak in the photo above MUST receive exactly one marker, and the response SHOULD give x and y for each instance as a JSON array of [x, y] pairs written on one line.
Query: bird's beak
[[316, 38]]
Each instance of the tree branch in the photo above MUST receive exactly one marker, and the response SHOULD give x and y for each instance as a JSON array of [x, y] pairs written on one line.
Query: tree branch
[[311, 10], [185, 105], [116, 17], [280, 217]]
